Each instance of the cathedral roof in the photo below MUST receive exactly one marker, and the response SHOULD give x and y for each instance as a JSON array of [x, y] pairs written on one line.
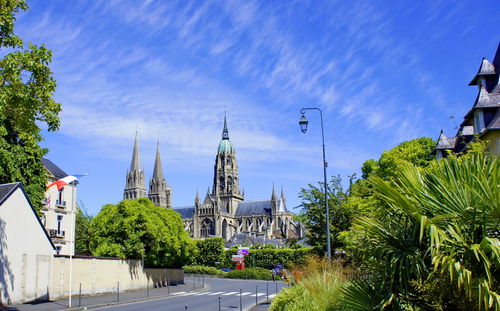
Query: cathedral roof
[[226, 146], [158, 169], [186, 212], [135, 165], [254, 207]]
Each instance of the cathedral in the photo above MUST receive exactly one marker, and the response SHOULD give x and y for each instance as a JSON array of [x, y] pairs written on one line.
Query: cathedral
[[223, 212]]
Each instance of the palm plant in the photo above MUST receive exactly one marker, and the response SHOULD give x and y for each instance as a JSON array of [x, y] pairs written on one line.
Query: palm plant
[[440, 221]]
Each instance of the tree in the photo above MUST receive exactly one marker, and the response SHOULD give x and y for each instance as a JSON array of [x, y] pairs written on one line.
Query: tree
[[82, 233], [437, 230], [26, 90], [314, 217], [209, 251], [136, 229]]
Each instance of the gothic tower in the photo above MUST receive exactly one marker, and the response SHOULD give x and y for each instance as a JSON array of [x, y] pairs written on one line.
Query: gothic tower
[[159, 192], [134, 184], [226, 185]]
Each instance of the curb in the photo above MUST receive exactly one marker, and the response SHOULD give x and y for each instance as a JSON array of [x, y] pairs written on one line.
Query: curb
[[132, 301]]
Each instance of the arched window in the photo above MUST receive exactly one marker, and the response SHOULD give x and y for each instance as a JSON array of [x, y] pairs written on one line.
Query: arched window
[[224, 229], [207, 228]]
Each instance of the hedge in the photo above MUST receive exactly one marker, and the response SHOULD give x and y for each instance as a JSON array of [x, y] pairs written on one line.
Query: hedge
[[203, 270], [250, 274], [267, 258]]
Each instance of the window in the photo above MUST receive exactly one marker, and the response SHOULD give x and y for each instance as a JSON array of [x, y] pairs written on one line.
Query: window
[[478, 121], [59, 222], [58, 249], [60, 195]]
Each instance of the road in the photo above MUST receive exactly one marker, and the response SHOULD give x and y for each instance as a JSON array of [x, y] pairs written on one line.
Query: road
[[227, 289]]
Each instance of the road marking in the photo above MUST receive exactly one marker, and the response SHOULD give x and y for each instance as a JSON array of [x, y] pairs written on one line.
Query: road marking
[[230, 293], [261, 294], [201, 294], [271, 296], [246, 293], [179, 293], [216, 293]]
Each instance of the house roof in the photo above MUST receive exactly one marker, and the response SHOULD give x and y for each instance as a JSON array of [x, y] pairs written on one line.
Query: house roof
[[186, 211], [445, 142], [53, 169], [485, 69], [254, 207], [5, 192]]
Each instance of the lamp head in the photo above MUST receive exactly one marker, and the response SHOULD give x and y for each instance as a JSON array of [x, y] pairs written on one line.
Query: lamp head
[[303, 123]]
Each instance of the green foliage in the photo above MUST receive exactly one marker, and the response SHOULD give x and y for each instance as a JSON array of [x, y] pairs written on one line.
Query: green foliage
[[250, 274], [138, 229], [209, 252], [203, 270], [440, 222], [314, 217], [82, 233], [267, 258], [26, 103]]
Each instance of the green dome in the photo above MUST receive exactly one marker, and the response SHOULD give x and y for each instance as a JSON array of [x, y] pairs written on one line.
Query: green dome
[[225, 146]]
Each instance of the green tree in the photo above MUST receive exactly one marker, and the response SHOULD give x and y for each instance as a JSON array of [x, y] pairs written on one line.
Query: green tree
[[437, 230], [82, 233], [209, 252], [136, 229], [27, 87], [314, 217]]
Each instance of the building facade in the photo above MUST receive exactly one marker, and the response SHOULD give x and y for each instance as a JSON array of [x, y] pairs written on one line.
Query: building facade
[[223, 212], [59, 210], [483, 119]]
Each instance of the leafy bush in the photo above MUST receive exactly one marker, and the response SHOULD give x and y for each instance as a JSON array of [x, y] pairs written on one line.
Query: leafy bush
[[203, 270], [250, 274], [267, 258], [210, 251]]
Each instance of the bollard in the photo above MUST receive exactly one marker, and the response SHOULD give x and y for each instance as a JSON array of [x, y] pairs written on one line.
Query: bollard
[[203, 279], [256, 294], [241, 306], [219, 303], [80, 296], [186, 307], [118, 291], [276, 287], [147, 288], [168, 287], [267, 292], [194, 282]]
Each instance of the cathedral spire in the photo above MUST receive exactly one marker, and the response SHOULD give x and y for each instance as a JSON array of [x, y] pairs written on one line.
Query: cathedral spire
[[197, 199], [282, 194], [273, 196], [158, 169], [136, 161], [225, 131]]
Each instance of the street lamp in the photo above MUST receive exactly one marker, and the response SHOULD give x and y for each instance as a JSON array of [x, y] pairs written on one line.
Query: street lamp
[[303, 127]]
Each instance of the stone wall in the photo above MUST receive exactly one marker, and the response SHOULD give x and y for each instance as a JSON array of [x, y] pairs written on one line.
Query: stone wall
[[99, 275]]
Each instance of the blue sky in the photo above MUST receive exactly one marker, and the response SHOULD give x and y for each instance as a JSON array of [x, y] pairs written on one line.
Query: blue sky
[[383, 72]]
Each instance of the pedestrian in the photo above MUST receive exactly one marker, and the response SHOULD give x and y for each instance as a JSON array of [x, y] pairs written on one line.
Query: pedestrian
[[274, 275]]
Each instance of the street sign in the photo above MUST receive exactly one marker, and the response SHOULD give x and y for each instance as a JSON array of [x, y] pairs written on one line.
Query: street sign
[[238, 258], [241, 247], [243, 252]]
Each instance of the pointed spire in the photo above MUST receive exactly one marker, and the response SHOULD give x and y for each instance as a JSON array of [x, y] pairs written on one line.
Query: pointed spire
[[225, 132], [158, 169], [136, 161], [273, 196], [197, 199], [282, 193]]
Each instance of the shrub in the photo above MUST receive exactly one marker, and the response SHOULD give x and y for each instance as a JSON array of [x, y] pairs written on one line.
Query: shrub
[[267, 258], [210, 251], [203, 270], [250, 274]]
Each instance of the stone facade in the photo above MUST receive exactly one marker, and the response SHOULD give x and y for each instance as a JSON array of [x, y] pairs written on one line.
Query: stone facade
[[224, 212]]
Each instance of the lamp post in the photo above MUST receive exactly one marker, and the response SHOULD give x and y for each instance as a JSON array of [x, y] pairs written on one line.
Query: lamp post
[[303, 127]]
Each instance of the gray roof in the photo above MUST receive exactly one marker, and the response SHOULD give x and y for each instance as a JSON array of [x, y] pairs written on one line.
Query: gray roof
[[495, 123], [186, 212], [6, 189], [487, 100], [254, 207], [467, 130], [445, 142], [54, 169], [485, 69]]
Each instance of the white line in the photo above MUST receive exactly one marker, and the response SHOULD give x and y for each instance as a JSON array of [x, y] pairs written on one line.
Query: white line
[[261, 294], [179, 293], [271, 296], [216, 293], [201, 294], [245, 293], [230, 293]]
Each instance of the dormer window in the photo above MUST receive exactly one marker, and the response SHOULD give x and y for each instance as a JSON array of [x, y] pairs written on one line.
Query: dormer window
[[478, 121]]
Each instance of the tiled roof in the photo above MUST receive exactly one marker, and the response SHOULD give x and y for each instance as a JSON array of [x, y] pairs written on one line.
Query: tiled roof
[[186, 212], [487, 100], [254, 207], [445, 142], [54, 169], [6, 189], [486, 69]]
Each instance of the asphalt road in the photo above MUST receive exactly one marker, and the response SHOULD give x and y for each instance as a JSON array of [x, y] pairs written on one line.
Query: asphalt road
[[228, 290]]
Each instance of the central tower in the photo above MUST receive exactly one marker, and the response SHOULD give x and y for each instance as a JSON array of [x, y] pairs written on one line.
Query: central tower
[[226, 185]]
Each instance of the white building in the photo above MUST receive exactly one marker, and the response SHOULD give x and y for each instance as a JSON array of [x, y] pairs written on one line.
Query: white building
[[26, 251], [59, 211]]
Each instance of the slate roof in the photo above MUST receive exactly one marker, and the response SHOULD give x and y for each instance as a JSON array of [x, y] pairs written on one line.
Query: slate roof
[[53, 169], [487, 100], [254, 207], [445, 142], [467, 130], [186, 212], [6, 189], [485, 69]]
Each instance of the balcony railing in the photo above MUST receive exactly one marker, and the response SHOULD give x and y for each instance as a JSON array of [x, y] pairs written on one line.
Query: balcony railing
[[60, 203], [53, 233]]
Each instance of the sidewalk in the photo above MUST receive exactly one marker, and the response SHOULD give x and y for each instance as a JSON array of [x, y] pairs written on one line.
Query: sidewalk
[[263, 306], [107, 299]]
